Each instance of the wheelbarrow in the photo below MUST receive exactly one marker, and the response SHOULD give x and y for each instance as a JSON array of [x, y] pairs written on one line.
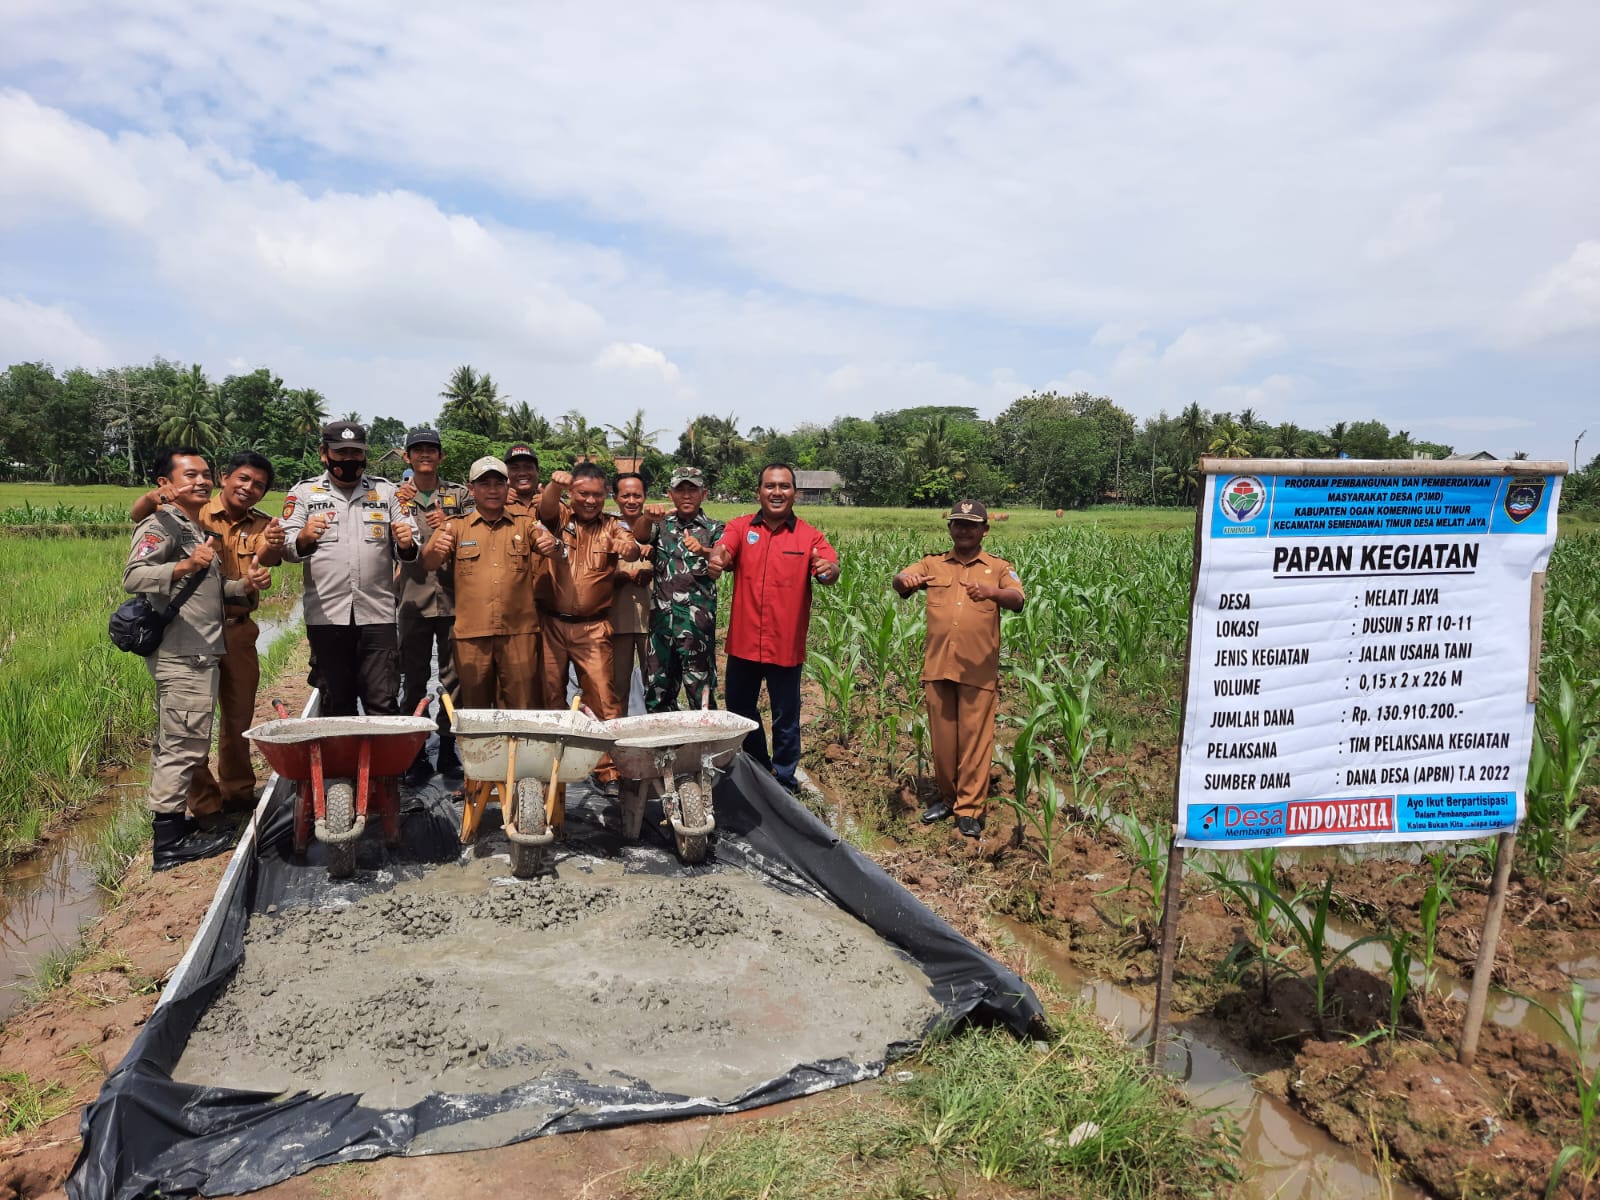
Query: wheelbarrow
[[341, 766], [529, 753], [684, 751]]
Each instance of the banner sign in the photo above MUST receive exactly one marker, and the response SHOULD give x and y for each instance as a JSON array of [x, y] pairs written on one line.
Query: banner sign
[[1358, 661]]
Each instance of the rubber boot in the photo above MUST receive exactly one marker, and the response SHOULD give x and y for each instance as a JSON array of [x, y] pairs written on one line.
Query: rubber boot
[[177, 840], [420, 770], [448, 763]]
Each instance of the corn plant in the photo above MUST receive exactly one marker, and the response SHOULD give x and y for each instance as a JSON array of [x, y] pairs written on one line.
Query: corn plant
[[1260, 900], [1146, 851], [837, 679], [1043, 818], [1435, 897], [1587, 1080]]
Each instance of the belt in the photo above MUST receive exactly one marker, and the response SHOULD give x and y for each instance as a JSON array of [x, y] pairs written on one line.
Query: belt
[[569, 616], [235, 618]]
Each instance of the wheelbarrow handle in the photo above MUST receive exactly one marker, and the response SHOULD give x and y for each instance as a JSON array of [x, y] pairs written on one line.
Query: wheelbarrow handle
[[422, 705], [279, 707], [449, 706]]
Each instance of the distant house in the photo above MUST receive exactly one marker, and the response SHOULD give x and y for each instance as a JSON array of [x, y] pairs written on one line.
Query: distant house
[[626, 464], [391, 464], [816, 487], [1480, 456]]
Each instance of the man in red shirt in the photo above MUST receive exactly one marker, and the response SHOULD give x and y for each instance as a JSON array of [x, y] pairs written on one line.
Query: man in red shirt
[[774, 557]]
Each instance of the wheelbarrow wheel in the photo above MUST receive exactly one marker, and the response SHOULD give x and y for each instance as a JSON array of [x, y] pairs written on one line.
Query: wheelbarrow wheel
[[692, 813], [340, 804], [527, 861]]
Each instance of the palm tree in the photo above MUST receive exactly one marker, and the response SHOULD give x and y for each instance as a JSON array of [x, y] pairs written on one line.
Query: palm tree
[[1186, 479], [1287, 440], [353, 417], [189, 417], [579, 438], [472, 403], [1338, 434], [307, 414], [930, 447], [1229, 440], [632, 436], [522, 424], [1193, 423]]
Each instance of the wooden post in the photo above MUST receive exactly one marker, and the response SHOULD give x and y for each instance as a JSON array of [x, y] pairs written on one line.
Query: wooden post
[[1478, 997], [1171, 904], [1172, 897]]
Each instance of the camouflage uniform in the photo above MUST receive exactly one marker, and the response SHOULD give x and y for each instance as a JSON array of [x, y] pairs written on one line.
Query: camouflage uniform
[[683, 621]]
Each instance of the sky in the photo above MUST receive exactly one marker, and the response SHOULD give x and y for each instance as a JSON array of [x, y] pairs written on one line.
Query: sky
[[794, 212]]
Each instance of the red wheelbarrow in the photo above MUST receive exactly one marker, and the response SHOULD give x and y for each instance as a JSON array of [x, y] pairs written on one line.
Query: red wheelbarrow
[[340, 766]]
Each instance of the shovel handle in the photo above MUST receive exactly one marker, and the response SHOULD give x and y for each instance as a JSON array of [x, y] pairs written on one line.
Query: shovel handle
[[449, 706], [555, 771]]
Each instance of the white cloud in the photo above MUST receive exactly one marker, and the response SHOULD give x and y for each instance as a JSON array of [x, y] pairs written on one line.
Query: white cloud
[[635, 356], [1219, 350], [1417, 226], [32, 332], [1564, 300]]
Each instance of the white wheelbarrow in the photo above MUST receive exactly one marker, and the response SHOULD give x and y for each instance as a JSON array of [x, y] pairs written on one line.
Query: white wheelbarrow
[[528, 752], [685, 751]]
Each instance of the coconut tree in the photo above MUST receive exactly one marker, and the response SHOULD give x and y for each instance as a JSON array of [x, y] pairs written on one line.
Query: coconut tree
[[308, 413], [522, 424], [579, 438], [632, 437], [189, 416], [1229, 440], [472, 403], [931, 447]]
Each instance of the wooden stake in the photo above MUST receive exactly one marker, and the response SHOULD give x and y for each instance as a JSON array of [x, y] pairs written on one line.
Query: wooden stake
[[1478, 998]]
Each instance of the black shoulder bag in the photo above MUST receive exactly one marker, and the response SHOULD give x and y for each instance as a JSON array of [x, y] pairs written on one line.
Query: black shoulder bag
[[138, 628]]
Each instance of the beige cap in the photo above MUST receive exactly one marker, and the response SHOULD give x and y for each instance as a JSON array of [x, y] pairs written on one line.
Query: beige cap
[[486, 465]]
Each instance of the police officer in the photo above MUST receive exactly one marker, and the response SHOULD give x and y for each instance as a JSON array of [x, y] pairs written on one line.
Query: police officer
[[683, 617], [170, 550], [424, 596], [350, 529]]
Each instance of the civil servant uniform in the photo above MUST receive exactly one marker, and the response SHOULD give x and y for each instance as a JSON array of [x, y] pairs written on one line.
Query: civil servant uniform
[[960, 673], [767, 631], [349, 589], [185, 667], [233, 787], [630, 625], [426, 610], [575, 615]]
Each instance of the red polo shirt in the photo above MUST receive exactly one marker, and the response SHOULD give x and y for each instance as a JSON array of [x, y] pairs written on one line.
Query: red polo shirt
[[772, 588]]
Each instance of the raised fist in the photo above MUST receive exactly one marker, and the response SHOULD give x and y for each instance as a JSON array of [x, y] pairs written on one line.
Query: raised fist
[[655, 511], [562, 479]]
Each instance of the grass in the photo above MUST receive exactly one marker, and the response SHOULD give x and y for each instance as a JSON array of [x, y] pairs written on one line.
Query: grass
[[1081, 1116], [121, 843], [25, 1104]]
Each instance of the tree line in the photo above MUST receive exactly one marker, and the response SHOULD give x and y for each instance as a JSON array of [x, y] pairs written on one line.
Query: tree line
[[1045, 450]]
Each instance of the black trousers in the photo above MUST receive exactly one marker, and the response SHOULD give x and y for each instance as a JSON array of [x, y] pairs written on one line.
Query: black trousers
[[357, 662]]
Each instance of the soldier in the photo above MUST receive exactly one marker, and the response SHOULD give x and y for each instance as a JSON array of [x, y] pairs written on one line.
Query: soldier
[[245, 537], [171, 555], [683, 618], [630, 598], [961, 660], [350, 530], [426, 605], [523, 464], [575, 598], [497, 557], [775, 556]]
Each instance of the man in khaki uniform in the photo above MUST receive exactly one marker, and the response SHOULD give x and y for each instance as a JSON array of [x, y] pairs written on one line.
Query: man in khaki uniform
[[497, 557], [522, 493], [245, 537], [961, 662], [630, 599], [170, 549], [575, 599], [423, 596]]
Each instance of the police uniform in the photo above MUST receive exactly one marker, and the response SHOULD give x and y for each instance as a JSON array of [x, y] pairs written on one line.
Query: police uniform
[[185, 667], [575, 615], [630, 625], [960, 673], [426, 609], [349, 588], [234, 784], [683, 617]]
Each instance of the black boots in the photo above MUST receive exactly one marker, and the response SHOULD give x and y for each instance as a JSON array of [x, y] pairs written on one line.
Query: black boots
[[447, 763], [178, 840], [420, 770]]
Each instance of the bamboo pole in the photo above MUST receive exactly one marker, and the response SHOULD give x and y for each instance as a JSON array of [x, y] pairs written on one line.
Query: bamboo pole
[[1478, 997]]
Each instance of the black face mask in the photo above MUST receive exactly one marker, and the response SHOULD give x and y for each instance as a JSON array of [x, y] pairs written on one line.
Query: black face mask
[[347, 470]]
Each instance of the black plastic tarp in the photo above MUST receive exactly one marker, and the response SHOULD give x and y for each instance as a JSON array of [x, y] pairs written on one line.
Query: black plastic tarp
[[147, 1134]]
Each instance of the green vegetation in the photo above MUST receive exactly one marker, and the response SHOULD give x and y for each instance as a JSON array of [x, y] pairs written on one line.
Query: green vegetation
[[1079, 1116], [26, 1104], [120, 843]]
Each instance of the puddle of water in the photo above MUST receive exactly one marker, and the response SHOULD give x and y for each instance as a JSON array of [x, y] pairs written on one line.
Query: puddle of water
[[1297, 1160], [47, 898], [270, 629]]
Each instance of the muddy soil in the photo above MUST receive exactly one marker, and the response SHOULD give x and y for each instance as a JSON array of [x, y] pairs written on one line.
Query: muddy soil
[[1454, 1132], [463, 982]]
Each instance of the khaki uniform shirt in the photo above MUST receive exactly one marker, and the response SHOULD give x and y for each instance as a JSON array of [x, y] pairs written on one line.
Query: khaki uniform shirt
[[350, 570], [238, 544], [419, 591], [630, 597], [964, 634], [580, 580], [161, 539], [496, 566]]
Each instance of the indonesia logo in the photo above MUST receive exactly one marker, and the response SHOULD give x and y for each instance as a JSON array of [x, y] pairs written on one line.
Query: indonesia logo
[[1523, 497], [1243, 497]]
